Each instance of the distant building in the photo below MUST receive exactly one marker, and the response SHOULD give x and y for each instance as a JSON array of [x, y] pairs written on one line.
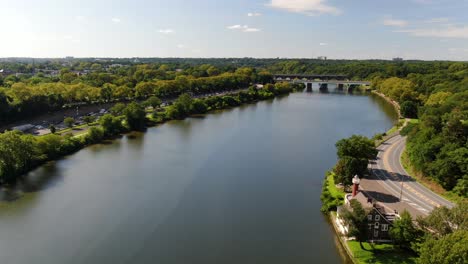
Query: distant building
[[397, 59], [322, 58]]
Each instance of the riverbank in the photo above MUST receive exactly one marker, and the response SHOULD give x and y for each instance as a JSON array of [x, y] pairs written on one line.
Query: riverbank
[[29, 152]]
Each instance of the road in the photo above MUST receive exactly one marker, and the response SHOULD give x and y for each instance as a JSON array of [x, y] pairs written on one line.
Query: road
[[389, 173]]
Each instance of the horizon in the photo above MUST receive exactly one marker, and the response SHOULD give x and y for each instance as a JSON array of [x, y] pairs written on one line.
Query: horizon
[[255, 58]]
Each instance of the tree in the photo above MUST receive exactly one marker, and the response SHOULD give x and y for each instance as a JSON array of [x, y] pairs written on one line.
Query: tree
[[199, 107], [69, 121], [17, 154], [52, 129], [356, 146], [403, 232], [347, 167], [356, 219], [409, 109], [117, 109], [94, 135], [449, 249], [354, 154], [143, 89], [89, 119], [153, 101], [111, 125], [181, 107], [135, 115], [443, 221]]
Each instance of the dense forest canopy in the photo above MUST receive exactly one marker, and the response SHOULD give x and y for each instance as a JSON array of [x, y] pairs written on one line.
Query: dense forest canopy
[[435, 92]]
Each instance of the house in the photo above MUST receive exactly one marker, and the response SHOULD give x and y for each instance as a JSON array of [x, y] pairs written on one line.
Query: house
[[379, 218]]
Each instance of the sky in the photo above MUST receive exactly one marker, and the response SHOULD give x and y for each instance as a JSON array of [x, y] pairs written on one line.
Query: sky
[[338, 29]]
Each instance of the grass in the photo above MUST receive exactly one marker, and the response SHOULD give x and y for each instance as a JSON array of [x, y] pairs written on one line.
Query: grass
[[334, 191], [380, 254], [413, 120]]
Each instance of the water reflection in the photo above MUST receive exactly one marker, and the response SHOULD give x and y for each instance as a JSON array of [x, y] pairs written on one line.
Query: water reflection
[[236, 186]]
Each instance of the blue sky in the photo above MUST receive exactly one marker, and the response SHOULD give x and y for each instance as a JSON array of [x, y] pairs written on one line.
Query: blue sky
[[351, 29]]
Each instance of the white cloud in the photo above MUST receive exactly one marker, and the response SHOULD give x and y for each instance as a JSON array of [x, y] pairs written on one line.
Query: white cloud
[[308, 7], [234, 27], [450, 31], [166, 31], [323, 44], [395, 22], [254, 14], [251, 30], [243, 28], [116, 20], [437, 20], [80, 18], [181, 46]]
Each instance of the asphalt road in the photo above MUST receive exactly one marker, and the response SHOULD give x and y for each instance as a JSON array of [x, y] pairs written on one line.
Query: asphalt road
[[389, 172]]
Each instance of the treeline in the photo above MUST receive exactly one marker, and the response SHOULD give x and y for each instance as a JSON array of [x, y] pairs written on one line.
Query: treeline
[[20, 98], [438, 144], [20, 152], [365, 69]]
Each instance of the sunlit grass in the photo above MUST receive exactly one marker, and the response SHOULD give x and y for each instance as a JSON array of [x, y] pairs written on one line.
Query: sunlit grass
[[380, 254]]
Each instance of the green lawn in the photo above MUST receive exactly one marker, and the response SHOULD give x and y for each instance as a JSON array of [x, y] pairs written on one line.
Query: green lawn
[[380, 254], [334, 191], [413, 121]]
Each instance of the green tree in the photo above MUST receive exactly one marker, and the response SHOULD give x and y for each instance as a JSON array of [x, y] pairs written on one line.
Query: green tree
[[52, 128], [409, 109], [111, 125], [199, 107], [135, 116], [69, 121], [356, 146], [117, 109], [354, 154], [181, 107], [153, 101], [403, 231], [356, 219], [95, 135], [449, 249], [347, 167], [89, 119], [17, 154]]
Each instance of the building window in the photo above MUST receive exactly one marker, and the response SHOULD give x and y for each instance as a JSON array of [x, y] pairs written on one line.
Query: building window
[[370, 226], [384, 227], [377, 217], [376, 233], [376, 225], [369, 217]]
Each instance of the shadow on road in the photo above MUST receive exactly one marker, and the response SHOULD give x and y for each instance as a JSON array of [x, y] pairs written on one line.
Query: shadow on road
[[389, 176], [382, 197]]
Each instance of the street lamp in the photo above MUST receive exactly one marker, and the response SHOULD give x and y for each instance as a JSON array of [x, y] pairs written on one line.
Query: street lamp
[[356, 182]]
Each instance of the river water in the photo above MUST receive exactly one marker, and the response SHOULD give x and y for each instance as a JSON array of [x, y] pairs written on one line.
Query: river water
[[237, 186]]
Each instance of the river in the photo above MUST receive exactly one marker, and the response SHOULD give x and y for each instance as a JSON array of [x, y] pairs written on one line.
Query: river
[[236, 186]]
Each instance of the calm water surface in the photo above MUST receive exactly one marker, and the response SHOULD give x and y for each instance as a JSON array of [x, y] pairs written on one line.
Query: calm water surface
[[238, 186]]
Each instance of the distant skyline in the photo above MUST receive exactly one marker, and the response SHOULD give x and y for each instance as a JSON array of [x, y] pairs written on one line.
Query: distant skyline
[[365, 29]]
